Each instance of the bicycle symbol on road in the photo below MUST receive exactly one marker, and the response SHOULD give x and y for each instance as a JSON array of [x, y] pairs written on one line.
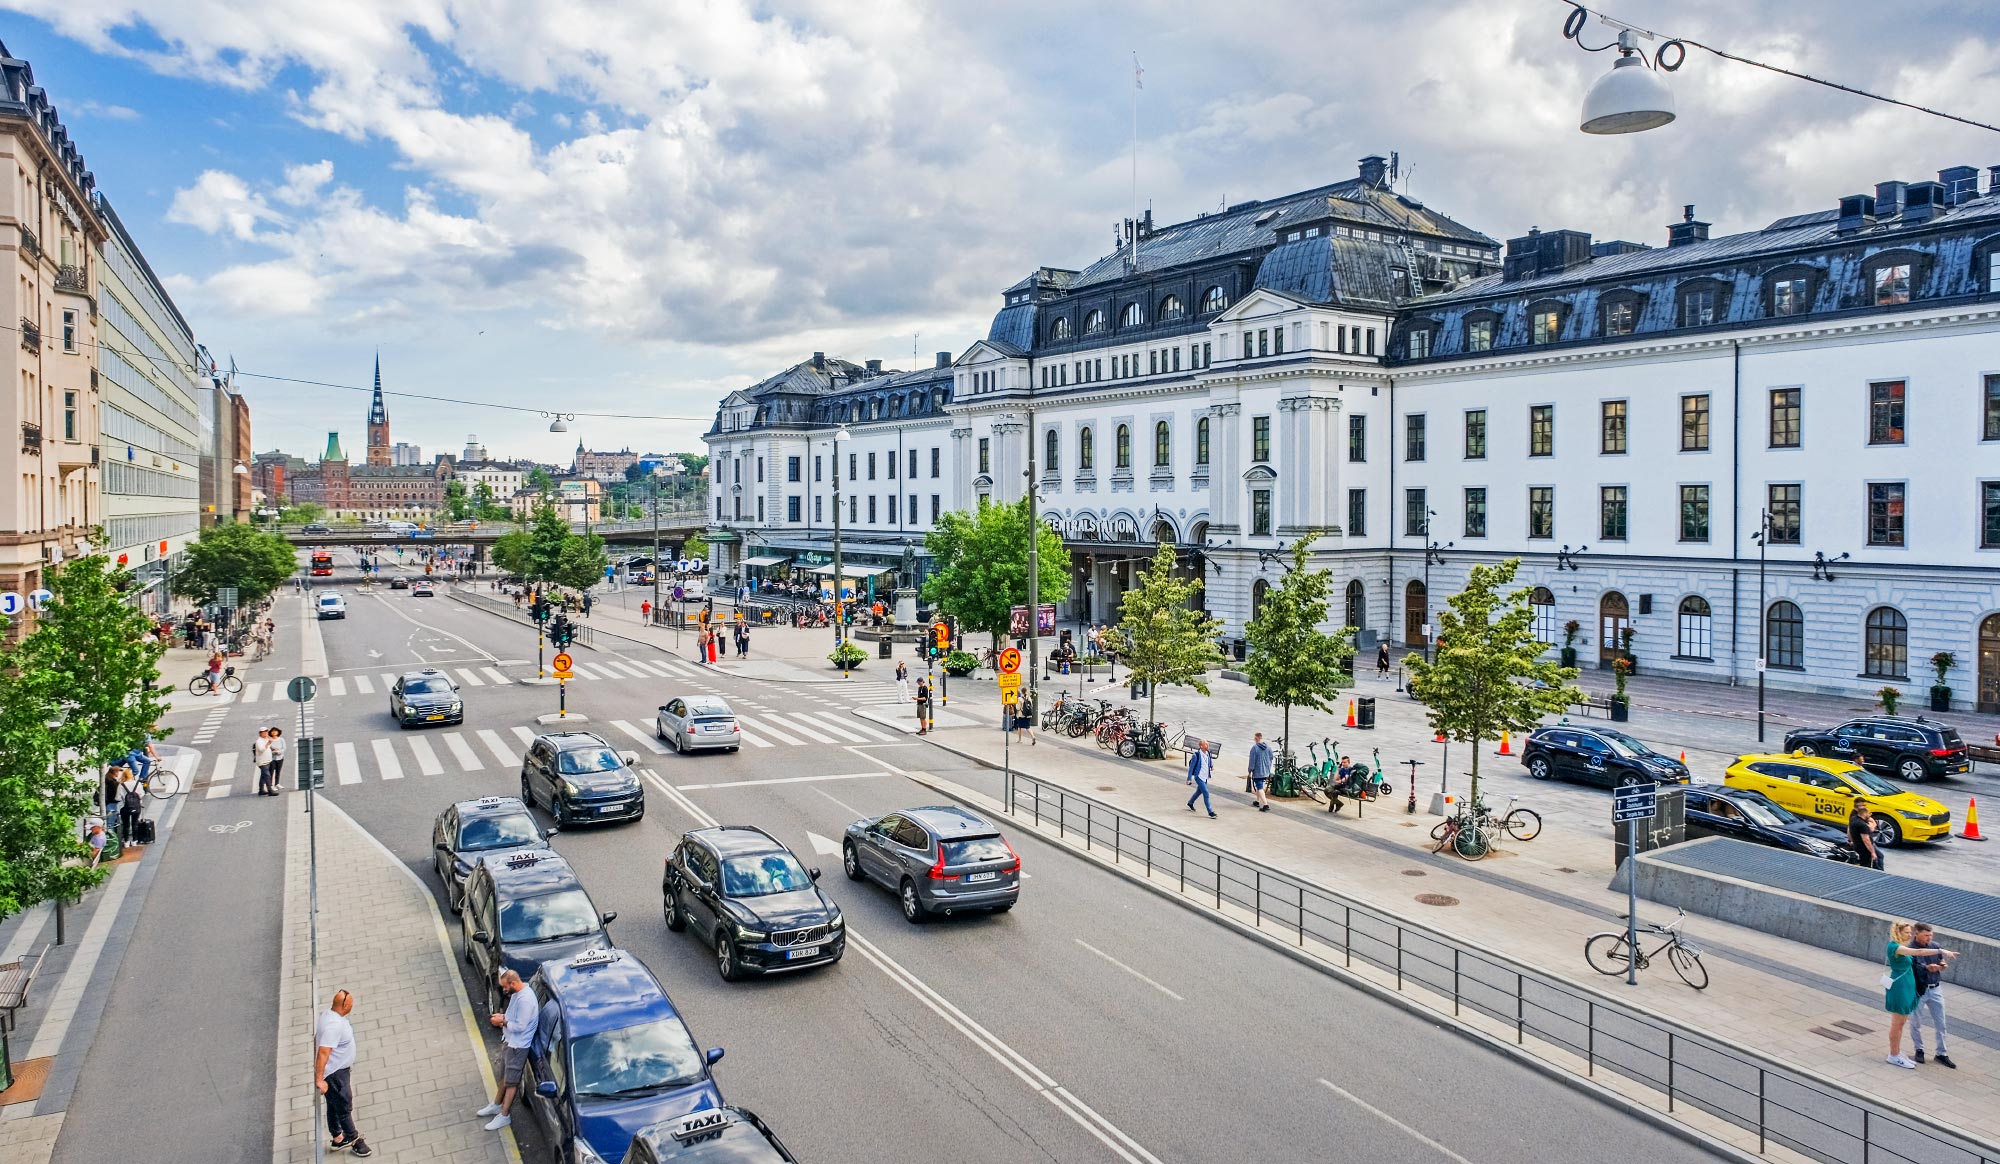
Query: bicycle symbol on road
[[230, 828]]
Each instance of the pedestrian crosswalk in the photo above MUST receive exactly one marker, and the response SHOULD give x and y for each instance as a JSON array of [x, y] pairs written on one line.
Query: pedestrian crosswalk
[[620, 670], [413, 755]]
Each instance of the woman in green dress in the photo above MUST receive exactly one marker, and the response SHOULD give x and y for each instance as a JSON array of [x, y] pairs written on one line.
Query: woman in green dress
[[1899, 996]]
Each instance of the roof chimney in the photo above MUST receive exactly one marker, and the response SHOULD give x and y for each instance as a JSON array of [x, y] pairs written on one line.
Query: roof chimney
[[1856, 212], [1993, 179], [1889, 199], [944, 359], [1687, 230], [1961, 184], [819, 361], [874, 367], [1923, 202], [1374, 170]]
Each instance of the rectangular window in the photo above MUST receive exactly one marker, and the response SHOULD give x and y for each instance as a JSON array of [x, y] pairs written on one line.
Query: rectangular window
[[1475, 434], [1993, 271], [913, 470], [1153, 363], [69, 330], [1621, 317], [1260, 512], [1782, 502], [1541, 511], [1694, 513], [1475, 512], [871, 466], [1541, 430], [1207, 354], [819, 468], [1611, 515], [1340, 338], [1990, 429], [1416, 514], [792, 469], [853, 509], [1785, 418], [1263, 341], [853, 467], [1357, 438], [891, 459], [1277, 341], [1892, 284], [819, 510], [1546, 326], [1371, 341], [69, 416], [1357, 513], [792, 509], [893, 520], [1420, 343], [1413, 437], [1479, 335], [1885, 413], [1788, 297], [934, 463], [760, 470], [1885, 513], [1698, 307], [760, 510], [935, 510], [1989, 515], [1177, 359], [1260, 439], [985, 454], [1694, 424], [1612, 439]]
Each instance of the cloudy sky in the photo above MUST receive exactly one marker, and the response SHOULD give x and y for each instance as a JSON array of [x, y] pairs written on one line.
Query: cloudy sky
[[633, 207]]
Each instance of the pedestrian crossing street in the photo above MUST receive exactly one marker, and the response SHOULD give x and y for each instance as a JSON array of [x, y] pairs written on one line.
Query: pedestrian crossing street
[[433, 753], [338, 686]]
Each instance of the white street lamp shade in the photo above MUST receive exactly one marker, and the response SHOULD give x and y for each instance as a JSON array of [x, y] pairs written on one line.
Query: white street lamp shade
[[1628, 99], [557, 425], [841, 433]]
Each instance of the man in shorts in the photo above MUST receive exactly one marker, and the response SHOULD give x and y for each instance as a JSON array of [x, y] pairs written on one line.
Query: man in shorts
[[517, 1027]]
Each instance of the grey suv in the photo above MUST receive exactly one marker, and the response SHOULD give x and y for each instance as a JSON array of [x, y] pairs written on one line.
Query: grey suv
[[941, 859], [579, 777]]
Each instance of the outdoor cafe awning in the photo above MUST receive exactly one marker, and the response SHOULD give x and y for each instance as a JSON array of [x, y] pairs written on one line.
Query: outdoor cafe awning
[[852, 571], [765, 561]]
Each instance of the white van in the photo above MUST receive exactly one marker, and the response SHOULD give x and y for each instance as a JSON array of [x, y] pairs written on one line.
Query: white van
[[332, 606]]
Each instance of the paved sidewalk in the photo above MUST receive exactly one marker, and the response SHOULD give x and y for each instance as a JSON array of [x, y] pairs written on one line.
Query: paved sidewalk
[[422, 1067]]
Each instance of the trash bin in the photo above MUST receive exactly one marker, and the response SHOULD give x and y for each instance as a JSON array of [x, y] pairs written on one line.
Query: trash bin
[[884, 648], [1364, 713], [1138, 689], [1242, 650]]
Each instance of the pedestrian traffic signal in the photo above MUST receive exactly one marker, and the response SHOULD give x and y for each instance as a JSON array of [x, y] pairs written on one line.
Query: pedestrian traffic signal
[[539, 610]]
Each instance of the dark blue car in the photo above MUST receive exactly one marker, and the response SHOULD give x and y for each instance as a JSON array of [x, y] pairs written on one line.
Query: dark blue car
[[611, 1057]]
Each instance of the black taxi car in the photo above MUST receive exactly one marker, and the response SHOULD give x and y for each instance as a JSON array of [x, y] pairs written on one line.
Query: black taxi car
[[1911, 748], [723, 1135], [523, 910], [472, 829], [1595, 756], [751, 901]]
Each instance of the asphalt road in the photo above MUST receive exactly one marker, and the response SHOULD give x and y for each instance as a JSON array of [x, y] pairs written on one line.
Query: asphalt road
[[1094, 1022]]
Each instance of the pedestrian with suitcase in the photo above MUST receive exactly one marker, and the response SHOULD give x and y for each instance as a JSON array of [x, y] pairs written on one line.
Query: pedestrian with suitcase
[[129, 807]]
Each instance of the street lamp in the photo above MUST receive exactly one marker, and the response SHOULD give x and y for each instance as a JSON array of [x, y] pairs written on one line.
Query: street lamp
[[1762, 537], [559, 421], [1433, 556], [839, 622]]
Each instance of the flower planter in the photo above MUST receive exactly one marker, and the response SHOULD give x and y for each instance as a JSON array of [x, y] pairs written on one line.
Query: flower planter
[[1621, 710], [1569, 656], [959, 672], [1940, 698]]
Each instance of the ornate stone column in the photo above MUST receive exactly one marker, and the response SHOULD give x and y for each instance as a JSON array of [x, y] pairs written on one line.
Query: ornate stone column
[[1225, 483], [963, 467], [1010, 457], [1309, 469]]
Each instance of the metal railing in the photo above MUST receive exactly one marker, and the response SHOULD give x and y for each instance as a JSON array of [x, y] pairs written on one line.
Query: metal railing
[[1682, 1068], [70, 277], [31, 245], [31, 334]]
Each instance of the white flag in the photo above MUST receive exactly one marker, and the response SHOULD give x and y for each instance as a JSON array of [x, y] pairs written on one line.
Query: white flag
[[1138, 74]]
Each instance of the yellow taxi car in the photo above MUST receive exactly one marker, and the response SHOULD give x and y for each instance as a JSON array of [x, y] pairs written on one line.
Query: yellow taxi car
[[1822, 788]]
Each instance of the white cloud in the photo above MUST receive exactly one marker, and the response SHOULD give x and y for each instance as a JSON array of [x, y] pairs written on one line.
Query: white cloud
[[222, 203], [102, 111]]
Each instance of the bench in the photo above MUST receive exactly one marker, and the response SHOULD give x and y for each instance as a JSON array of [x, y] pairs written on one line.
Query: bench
[[1593, 705], [16, 980], [1189, 743], [1984, 753]]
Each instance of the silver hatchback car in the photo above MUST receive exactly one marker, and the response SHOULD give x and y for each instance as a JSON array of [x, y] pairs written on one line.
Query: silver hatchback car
[[693, 723], [941, 859]]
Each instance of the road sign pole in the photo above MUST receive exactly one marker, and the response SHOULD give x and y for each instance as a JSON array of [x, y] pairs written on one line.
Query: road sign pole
[[562, 699], [1632, 902]]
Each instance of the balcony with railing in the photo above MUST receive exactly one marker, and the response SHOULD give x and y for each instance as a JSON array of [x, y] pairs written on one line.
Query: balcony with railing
[[30, 245], [31, 334], [31, 438], [72, 278]]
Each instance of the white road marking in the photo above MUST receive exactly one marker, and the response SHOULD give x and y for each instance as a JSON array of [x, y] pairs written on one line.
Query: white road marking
[[823, 846], [852, 811], [799, 728], [250, 692], [1129, 970], [388, 680], [750, 738], [643, 737], [855, 725], [471, 678], [578, 671], [498, 747], [345, 761], [1392, 1121], [224, 774], [385, 759], [338, 684], [496, 676], [526, 735], [683, 803], [626, 670], [782, 780], [826, 723], [427, 761], [659, 668], [362, 685], [462, 752], [768, 730]]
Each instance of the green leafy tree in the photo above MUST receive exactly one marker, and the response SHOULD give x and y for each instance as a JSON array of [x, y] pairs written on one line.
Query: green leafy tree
[[304, 513], [581, 563], [513, 554], [695, 463], [1291, 661], [1488, 676], [695, 547], [540, 481], [91, 642], [1166, 639], [238, 555], [486, 506], [634, 471], [981, 571], [41, 801], [548, 534], [457, 501]]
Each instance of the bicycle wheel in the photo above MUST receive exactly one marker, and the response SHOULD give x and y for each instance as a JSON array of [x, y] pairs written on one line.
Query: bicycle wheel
[[1439, 829], [1687, 964], [232, 684], [1523, 823], [1472, 841], [1607, 953], [163, 783], [198, 685]]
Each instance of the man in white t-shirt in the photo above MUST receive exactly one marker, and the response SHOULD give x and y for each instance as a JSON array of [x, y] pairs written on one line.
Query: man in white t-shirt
[[517, 1034], [333, 1056]]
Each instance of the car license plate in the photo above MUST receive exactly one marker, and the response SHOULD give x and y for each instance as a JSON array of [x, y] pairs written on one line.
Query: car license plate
[[801, 952], [984, 877], [610, 807], [1963, 767], [431, 717]]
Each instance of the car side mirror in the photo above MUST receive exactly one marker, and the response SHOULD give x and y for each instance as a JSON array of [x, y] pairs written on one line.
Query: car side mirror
[[550, 831], [480, 937], [714, 1056], [607, 917], [813, 873], [546, 1087]]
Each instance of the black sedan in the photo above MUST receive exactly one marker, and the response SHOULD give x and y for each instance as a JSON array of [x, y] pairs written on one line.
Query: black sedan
[[1596, 756], [1717, 810], [399, 583], [748, 898]]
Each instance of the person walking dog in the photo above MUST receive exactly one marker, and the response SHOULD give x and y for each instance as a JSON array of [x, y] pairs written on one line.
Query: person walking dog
[[1201, 767]]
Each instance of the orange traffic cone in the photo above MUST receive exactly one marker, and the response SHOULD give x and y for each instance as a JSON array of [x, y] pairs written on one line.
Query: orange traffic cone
[[1971, 832], [1506, 745], [1350, 713], [1684, 757], [1440, 738]]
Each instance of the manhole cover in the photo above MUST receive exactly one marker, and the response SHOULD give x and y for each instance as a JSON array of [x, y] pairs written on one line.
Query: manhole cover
[[1106, 788], [1435, 899], [1564, 869], [1415, 873], [1409, 824]]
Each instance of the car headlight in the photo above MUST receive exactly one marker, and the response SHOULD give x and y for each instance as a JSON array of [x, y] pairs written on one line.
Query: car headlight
[[748, 934], [569, 788], [1908, 815], [1817, 847], [836, 923], [457, 705], [584, 1153]]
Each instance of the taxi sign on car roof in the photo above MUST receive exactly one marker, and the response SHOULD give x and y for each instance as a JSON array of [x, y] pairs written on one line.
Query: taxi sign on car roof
[[688, 1129], [591, 958], [489, 800], [523, 860]]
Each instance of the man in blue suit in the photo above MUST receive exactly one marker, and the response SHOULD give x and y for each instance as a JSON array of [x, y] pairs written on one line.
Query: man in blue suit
[[1201, 766]]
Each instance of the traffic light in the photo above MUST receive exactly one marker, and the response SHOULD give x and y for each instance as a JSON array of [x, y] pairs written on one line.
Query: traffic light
[[539, 609]]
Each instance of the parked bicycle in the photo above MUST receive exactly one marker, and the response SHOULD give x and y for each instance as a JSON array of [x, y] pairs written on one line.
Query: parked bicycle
[[1463, 834], [1612, 952], [201, 685], [1523, 824]]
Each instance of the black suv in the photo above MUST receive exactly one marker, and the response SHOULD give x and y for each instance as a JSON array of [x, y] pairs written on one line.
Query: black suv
[[523, 910], [1912, 748], [750, 900], [472, 830], [580, 777], [1596, 756]]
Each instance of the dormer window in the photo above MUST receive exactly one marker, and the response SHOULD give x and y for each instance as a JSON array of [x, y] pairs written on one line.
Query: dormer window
[[1891, 284], [1790, 296], [1703, 302], [1619, 313], [1093, 323], [1545, 323], [1132, 316], [1171, 309], [1059, 329], [1213, 300], [1479, 333], [1419, 340]]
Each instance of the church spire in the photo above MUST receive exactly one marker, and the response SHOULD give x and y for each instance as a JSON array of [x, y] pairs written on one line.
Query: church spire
[[379, 452], [378, 412]]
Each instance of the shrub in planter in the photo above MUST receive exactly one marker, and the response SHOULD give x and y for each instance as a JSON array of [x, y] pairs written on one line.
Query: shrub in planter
[[1942, 662], [1621, 708], [846, 656], [961, 663], [1890, 697], [1570, 630]]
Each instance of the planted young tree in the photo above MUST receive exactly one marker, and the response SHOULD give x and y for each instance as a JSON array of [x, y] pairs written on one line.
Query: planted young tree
[[981, 566], [1291, 661], [1166, 639], [92, 646], [548, 536], [40, 804], [1488, 675], [238, 555], [512, 553], [582, 562]]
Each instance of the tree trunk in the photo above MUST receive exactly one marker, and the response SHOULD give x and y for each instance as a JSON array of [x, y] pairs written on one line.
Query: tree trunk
[[1285, 744], [1475, 768]]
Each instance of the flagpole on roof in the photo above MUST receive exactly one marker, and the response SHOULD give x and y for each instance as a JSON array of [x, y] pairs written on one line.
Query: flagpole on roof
[[1138, 83]]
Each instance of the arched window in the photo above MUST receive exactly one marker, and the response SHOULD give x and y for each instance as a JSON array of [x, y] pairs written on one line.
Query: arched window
[[1357, 604], [1543, 603], [1053, 443], [1785, 636], [1132, 316], [1093, 323], [1697, 629], [1201, 441], [1124, 449], [1416, 612], [1213, 300], [1171, 309], [1059, 329], [1886, 644], [1162, 445], [1086, 451], [1258, 593]]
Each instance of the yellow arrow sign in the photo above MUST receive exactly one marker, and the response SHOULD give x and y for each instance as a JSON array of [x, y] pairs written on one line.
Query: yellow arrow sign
[[560, 665]]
